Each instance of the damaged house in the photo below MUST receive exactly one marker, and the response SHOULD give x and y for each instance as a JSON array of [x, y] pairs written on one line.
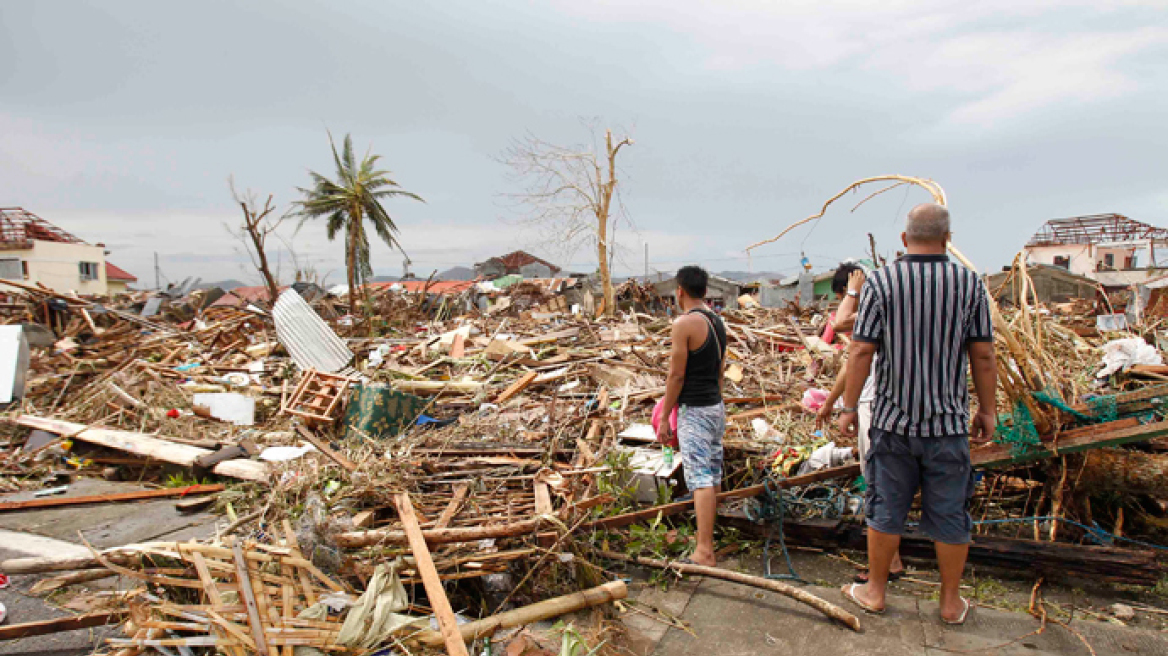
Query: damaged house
[[36, 252]]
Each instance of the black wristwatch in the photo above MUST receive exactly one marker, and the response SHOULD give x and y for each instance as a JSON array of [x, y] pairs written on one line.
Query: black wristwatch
[[847, 410]]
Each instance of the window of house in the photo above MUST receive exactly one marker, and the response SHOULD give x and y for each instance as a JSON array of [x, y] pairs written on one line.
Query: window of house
[[88, 270], [1133, 262], [12, 268], [1062, 261], [24, 269], [1109, 260]]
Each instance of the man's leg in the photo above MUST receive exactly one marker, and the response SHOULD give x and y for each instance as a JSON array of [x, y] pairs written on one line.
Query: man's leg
[[699, 435], [951, 561], [893, 477], [706, 508], [882, 548], [946, 487], [863, 446]]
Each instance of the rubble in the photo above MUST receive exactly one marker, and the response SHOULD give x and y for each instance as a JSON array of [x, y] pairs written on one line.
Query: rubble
[[484, 452]]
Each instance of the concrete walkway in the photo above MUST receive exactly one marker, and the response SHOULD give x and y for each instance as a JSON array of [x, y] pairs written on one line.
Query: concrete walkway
[[728, 619], [55, 532]]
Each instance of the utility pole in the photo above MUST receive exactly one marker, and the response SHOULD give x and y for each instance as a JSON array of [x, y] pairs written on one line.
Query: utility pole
[[157, 273]]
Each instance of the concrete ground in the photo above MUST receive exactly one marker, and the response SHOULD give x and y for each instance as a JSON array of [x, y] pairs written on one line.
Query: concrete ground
[[729, 619], [56, 531]]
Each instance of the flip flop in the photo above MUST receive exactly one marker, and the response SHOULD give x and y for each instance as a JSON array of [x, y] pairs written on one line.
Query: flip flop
[[862, 576], [849, 592], [964, 614]]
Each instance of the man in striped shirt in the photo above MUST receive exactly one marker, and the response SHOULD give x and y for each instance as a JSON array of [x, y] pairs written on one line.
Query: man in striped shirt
[[929, 319]]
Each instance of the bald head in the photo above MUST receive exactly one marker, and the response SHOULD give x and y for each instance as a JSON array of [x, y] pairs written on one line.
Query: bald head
[[928, 223]]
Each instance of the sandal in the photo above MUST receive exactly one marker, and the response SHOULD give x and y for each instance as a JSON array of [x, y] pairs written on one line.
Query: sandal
[[849, 592], [964, 614], [862, 576]]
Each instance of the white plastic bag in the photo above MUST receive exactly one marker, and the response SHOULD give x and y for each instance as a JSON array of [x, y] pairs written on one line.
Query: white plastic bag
[[1121, 354]]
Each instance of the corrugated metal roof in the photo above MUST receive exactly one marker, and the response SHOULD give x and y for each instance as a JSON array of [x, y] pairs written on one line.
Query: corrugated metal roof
[[309, 340]]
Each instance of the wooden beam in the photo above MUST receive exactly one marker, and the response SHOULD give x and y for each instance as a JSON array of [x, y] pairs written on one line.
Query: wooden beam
[[742, 493], [516, 387], [108, 498], [245, 590], [325, 449], [1081, 439], [147, 446], [447, 623], [543, 498], [452, 508], [354, 539], [72, 623]]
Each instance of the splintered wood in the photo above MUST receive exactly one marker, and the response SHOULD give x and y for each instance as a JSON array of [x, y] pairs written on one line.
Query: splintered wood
[[249, 599]]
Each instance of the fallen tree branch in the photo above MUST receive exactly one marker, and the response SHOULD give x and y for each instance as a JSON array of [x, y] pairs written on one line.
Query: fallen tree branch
[[543, 610], [827, 608]]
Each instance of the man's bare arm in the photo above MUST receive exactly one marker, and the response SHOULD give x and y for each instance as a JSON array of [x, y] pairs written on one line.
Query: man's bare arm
[[678, 355], [859, 367], [983, 366]]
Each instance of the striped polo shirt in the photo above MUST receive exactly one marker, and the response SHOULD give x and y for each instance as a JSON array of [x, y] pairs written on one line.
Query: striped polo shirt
[[921, 311]]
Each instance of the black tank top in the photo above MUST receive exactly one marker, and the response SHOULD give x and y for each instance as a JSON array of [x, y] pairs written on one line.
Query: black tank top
[[703, 367]]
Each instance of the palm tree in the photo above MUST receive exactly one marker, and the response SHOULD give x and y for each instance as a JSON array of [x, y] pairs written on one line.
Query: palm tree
[[346, 203]]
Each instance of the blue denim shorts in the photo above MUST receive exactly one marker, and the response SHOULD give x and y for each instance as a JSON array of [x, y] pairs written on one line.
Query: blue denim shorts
[[699, 436], [897, 466]]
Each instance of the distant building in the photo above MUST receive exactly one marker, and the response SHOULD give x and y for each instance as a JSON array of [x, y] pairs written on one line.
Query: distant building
[[34, 251], [516, 263], [117, 280], [1108, 248], [721, 293], [1051, 284]]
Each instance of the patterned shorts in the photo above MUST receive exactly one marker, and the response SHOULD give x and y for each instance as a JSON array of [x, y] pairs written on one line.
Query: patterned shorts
[[699, 433]]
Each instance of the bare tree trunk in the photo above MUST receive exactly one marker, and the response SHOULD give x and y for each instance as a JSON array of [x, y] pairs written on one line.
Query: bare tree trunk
[[606, 188], [269, 279], [257, 227]]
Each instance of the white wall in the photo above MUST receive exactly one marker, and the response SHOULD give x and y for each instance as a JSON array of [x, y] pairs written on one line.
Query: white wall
[[1082, 257], [57, 266]]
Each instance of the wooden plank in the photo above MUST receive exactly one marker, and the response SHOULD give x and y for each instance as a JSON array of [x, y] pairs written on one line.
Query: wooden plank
[[452, 508], [245, 590], [327, 450], [743, 400], [301, 575], [458, 347], [138, 495], [1081, 439], [543, 498], [516, 387], [215, 597], [447, 623], [90, 620], [147, 446]]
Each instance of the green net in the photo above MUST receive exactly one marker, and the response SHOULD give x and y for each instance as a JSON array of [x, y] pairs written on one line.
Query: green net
[[1020, 435], [1018, 431]]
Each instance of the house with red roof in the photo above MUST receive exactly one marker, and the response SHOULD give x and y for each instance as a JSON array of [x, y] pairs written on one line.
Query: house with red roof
[[36, 252], [117, 279]]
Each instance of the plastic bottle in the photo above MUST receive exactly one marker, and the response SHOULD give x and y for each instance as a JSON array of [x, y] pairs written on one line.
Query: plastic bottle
[[668, 453]]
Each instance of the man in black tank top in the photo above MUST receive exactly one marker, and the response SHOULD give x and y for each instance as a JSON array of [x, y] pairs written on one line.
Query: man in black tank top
[[695, 388]]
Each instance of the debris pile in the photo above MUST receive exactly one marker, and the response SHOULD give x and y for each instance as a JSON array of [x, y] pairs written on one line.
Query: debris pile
[[495, 454]]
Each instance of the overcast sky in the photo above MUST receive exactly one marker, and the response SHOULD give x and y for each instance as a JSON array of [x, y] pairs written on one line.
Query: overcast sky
[[121, 121]]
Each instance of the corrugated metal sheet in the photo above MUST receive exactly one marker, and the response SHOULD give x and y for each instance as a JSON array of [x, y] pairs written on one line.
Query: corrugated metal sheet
[[308, 339]]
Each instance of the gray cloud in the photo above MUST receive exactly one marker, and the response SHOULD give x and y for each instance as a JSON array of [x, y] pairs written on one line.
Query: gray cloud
[[123, 122]]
